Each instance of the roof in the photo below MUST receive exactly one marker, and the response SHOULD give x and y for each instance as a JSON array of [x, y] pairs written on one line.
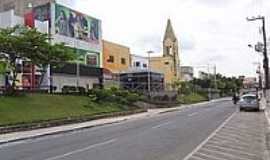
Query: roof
[[169, 33]]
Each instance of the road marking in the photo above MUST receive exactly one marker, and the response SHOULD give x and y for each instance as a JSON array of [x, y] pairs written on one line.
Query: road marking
[[209, 137], [229, 149], [225, 154], [196, 157], [210, 156], [160, 125], [193, 114], [81, 150]]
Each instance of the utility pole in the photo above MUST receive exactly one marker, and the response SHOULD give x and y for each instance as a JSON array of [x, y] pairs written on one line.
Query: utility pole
[[149, 74], [265, 59]]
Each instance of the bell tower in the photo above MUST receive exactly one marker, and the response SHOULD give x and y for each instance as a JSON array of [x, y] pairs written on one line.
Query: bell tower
[[170, 46]]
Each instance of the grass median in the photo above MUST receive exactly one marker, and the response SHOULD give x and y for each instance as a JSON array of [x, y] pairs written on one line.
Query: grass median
[[41, 107]]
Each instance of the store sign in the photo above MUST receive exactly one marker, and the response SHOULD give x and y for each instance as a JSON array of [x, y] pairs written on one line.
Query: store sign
[[73, 24]]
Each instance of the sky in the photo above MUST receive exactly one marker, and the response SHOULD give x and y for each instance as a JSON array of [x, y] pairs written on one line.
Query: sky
[[210, 32]]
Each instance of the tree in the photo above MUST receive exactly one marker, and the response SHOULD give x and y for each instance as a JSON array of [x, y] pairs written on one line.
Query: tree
[[22, 43]]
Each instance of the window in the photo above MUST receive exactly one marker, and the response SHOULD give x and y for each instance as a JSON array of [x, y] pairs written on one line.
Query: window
[[137, 64], [111, 59], [91, 60], [144, 65], [123, 61], [167, 63]]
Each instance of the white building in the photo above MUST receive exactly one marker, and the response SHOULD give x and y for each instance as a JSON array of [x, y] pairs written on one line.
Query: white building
[[139, 62]]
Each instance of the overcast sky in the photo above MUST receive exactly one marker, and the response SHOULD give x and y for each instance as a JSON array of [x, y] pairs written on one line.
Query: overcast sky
[[208, 31]]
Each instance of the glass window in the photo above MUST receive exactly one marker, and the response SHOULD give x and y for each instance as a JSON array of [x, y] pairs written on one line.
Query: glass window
[[137, 64], [144, 65], [91, 60], [123, 61], [111, 59]]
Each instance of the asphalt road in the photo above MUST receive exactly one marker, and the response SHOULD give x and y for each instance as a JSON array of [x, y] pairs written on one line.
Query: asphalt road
[[169, 136]]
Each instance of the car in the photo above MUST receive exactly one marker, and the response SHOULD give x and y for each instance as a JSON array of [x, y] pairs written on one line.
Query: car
[[249, 102]]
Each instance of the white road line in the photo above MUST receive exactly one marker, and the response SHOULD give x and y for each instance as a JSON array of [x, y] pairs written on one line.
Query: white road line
[[229, 144], [196, 157], [208, 138], [231, 139], [229, 149], [193, 114], [210, 156], [160, 125], [225, 154], [81, 150]]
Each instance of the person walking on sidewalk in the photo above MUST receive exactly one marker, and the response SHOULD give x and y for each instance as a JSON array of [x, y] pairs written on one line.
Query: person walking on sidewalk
[[235, 98]]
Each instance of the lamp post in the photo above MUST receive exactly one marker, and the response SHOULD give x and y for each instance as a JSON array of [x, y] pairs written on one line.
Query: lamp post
[[149, 75], [265, 59]]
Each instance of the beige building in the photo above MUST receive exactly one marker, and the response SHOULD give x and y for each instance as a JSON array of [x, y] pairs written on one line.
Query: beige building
[[116, 57], [20, 6], [168, 63]]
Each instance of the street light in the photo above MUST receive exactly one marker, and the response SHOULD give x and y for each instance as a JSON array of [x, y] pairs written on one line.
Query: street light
[[149, 76], [263, 49]]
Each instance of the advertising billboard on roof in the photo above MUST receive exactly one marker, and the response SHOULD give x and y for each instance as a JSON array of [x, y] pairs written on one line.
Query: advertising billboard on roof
[[76, 25]]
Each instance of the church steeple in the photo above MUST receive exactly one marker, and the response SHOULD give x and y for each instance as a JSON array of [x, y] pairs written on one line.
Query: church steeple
[[170, 43], [169, 33]]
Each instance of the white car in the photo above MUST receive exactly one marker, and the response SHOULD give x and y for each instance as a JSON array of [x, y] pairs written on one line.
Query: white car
[[249, 102]]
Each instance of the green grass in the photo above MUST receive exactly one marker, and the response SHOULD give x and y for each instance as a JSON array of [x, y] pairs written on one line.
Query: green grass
[[39, 107], [192, 98]]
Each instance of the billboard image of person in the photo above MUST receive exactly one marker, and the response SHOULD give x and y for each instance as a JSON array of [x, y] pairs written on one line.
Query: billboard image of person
[[62, 23], [76, 25]]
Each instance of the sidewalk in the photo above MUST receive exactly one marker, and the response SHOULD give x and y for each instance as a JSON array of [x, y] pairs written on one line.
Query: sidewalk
[[17, 136], [266, 106], [240, 137]]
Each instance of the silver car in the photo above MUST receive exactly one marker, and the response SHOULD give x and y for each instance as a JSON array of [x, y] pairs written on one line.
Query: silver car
[[249, 102]]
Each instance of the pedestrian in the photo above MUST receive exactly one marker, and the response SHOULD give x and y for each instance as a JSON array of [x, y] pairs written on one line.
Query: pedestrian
[[235, 98]]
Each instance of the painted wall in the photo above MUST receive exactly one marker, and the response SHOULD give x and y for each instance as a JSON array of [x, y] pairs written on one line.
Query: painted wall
[[118, 52], [142, 61], [165, 66], [61, 80]]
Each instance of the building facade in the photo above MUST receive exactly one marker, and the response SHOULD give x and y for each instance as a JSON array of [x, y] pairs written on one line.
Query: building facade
[[65, 25], [21, 7], [139, 62], [116, 57], [168, 63]]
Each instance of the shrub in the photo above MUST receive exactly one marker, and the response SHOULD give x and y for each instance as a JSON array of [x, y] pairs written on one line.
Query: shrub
[[113, 95]]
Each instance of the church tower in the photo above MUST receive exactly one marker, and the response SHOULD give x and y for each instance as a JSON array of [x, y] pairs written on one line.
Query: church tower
[[170, 47]]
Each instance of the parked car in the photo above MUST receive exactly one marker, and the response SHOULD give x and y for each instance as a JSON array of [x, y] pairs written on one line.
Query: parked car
[[249, 102]]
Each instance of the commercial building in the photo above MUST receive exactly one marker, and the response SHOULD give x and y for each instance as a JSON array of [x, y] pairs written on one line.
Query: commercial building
[[187, 73], [116, 57], [65, 25], [168, 63], [141, 80]]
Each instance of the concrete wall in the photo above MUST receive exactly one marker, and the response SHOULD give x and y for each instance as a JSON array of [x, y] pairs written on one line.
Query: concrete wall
[[118, 52], [60, 80]]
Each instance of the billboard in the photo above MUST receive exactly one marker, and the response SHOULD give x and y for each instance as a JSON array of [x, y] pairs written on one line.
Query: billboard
[[73, 24]]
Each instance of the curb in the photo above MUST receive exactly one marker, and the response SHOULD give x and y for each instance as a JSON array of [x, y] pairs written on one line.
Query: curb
[[57, 132], [97, 125]]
